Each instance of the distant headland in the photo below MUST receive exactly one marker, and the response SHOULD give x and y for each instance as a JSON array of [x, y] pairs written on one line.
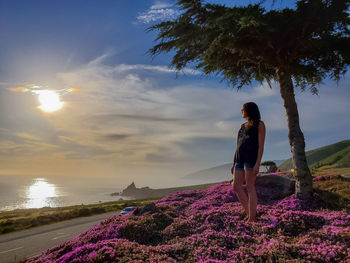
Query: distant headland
[[145, 192]]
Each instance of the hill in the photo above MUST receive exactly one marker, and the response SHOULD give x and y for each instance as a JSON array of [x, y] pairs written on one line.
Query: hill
[[210, 226], [217, 174], [213, 174], [337, 154]]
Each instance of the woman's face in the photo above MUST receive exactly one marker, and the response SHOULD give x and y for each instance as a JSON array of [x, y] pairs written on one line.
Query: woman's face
[[244, 114]]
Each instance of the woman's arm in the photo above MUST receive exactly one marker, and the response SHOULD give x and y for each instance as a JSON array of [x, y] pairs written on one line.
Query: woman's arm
[[262, 132], [233, 165]]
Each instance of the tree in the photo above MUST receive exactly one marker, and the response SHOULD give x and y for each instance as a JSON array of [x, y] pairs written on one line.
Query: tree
[[270, 166], [295, 47]]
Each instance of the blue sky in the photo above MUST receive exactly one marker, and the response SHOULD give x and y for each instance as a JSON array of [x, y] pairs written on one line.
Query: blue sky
[[126, 116]]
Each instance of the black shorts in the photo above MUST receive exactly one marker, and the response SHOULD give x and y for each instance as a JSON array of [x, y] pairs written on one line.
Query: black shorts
[[240, 166], [245, 162]]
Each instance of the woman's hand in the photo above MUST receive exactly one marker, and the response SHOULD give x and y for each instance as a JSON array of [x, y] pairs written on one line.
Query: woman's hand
[[256, 169]]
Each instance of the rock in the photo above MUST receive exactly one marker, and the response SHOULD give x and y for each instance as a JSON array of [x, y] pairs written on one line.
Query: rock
[[130, 190], [143, 192], [283, 184], [131, 186], [270, 187]]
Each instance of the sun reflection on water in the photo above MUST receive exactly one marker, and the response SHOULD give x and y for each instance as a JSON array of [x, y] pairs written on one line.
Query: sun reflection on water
[[40, 194]]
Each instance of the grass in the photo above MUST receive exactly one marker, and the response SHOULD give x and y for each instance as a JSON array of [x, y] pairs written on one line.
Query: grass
[[333, 154], [21, 219], [335, 192], [332, 169], [15, 260]]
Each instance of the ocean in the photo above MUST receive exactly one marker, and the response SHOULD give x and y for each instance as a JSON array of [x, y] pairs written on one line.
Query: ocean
[[17, 192]]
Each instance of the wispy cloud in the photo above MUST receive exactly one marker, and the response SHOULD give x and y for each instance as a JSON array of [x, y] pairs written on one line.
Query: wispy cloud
[[133, 113], [27, 136], [123, 108], [28, 146], [19, 89], [161, 69], [158, 11], [139, 115], [37, 89]]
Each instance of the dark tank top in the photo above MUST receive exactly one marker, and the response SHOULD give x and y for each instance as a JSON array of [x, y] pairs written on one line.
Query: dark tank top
[[247, 144]]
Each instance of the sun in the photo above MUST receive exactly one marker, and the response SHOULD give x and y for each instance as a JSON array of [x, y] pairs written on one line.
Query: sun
[[49, 100]]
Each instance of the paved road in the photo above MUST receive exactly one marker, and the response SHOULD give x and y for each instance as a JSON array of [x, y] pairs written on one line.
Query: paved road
[[31, 242]]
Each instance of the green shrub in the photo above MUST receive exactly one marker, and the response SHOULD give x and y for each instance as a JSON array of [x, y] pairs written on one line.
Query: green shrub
[[6, 229]]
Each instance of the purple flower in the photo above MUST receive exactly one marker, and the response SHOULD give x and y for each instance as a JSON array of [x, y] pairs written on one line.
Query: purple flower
[[210, 226]]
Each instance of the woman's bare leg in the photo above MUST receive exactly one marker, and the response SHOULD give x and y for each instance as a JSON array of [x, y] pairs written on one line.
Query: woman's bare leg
[[238, 180], [250, 177]]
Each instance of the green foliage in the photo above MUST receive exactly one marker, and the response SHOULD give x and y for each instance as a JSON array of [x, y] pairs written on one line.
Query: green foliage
[[242, 44], [246, 43], [334, 154], [268, 163], [6, 226], [27, 218]]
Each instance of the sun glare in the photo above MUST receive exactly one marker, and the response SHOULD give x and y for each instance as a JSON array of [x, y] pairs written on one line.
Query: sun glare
[[40, 193], [49, 100]]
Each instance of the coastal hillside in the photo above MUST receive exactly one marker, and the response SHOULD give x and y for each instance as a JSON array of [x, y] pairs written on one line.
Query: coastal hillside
[[337, 154], [210, 226], [213, 174], [218, 173]]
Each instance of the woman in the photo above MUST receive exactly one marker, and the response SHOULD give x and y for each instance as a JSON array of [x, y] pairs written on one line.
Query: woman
[[250, 147]]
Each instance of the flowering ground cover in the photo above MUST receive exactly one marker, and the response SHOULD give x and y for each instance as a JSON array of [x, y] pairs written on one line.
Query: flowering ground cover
[[210, 226]]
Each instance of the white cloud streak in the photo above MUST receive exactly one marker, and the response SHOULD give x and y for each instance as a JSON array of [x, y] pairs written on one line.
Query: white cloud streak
[[158, 11], [126, 116], [161, 69]]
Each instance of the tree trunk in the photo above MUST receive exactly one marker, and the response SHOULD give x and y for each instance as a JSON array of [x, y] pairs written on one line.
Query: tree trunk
[[303, 185]]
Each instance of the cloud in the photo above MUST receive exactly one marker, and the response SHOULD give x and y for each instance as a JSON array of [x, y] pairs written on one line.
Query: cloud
[[121, 68], [100, 59], [158, 11], [123, 109], [137, 116], [19, 89], [160, 5], [114, 137], [117, 117], [27, 136], [161, 69], [74, 90], [26, 147], [38, 89]]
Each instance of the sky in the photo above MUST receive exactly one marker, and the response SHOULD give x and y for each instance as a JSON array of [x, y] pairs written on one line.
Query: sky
[[121, 114]]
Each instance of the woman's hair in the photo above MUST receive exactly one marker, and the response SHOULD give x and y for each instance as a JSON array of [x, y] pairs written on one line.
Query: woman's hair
[[252, 112]]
